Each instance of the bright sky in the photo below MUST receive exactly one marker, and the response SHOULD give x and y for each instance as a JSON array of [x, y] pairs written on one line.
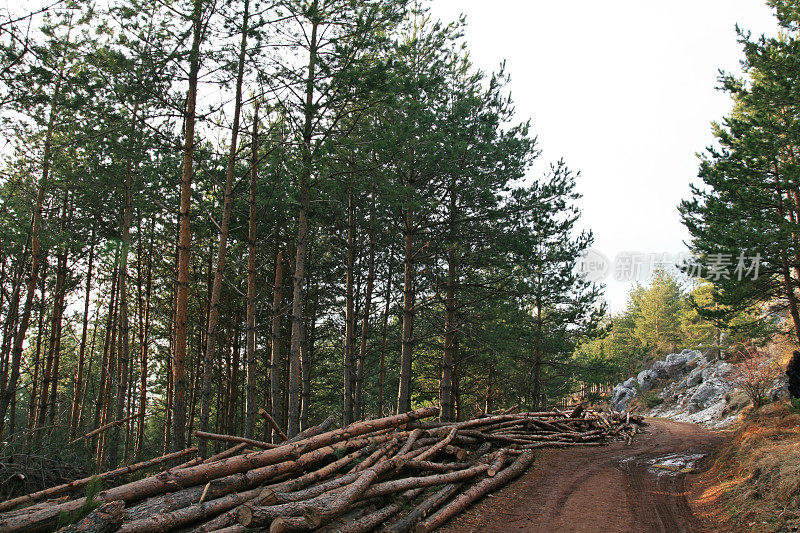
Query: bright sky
[[624, 91]]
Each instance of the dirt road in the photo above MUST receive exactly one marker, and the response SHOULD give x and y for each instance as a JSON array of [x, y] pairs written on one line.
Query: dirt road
[[639, 488]]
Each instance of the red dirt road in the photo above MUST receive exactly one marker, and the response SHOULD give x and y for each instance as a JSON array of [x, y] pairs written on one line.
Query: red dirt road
[[639, 488]]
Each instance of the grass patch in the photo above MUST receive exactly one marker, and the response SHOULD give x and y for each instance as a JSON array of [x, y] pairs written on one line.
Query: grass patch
[[755, 480]]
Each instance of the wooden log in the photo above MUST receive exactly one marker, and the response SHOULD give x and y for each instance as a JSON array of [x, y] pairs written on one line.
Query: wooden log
[[187, 515], [431, 466], [324, 511], [372, 520], [509, 410], [376, 456], [67, 487], [318, 510], [288, 524], [433, 450], [310, 478], [230, 452], [220, 487], [417, 433], [105, 519], [198, 474], [425, 508], [103, 428], [477, 491], [274, 424], [233, 438], [320, 428], [396, 485]]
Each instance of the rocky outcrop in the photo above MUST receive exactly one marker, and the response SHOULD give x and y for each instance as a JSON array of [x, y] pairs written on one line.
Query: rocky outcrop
[[693, 389]]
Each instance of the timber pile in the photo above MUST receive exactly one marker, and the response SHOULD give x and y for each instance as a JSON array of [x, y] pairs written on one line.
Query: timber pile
[[396, 474]]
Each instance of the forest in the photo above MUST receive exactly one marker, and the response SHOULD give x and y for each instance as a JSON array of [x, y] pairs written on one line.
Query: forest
[[212, 211]]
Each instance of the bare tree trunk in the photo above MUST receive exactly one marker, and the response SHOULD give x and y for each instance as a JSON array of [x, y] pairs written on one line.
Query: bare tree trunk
[[35, 385], [275, 360], [308, 360], [406, 351], [123, 357], [349, 318], [250, 401], [185, 240], [384, 336], [296, 348], [213, 312], [76, 398], [450, 324], [362, 353], [144, 348]]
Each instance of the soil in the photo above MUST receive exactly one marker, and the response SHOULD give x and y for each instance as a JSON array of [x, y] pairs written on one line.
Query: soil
[[643, 487]]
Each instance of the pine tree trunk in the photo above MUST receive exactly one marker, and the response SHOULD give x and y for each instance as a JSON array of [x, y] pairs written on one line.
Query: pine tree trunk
[[37, 358], [296, 347], [222, 248], [450, 324], [407, 347], [123, 356], [384, 338], [349, 318], [77, 396], [144, 348], [250, 401], [275, 359], [185, 241], [362, 352]]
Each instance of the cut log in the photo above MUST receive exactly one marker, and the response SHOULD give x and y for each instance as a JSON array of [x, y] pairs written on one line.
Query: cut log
[[198, 474], [371, 521], [67, 487], [103, 428], [460, 503], [274, 424], [105, 519], [324, 426], [395, 485], [232, 438], [187, 515], [425, 508]]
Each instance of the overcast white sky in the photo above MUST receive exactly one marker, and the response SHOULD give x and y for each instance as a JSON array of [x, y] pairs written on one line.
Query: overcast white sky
[[624, 91]]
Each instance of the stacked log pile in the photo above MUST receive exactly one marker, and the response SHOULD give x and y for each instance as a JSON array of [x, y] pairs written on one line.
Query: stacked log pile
[[394, 474]]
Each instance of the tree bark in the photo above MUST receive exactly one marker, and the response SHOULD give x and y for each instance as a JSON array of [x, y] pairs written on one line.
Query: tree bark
[[185, 240], [349, 318], [250, 400], [76, 398], [296, 349], [407, 348], [275, 358], [362, 353], [222, 247]]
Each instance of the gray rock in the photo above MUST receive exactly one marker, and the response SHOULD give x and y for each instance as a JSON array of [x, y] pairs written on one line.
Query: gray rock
[[646, 379], [780, 390], [695, 377], [670, 369], [630, 383], [717, 370], [708, 393], [678, 357], [622, 396]]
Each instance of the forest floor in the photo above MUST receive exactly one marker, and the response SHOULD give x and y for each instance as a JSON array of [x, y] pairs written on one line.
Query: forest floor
[[644, 487]]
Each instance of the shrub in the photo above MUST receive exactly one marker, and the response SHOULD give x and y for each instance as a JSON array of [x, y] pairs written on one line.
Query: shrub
[[755, 374]]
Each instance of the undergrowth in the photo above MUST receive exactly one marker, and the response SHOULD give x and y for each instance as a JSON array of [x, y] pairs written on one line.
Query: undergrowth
[[755, 480]]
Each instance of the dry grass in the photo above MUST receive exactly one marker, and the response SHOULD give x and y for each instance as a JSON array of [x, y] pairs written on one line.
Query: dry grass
[[754, 484]]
